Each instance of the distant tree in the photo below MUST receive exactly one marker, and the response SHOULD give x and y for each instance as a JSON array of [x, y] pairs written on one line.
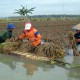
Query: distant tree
[[24, 11], [21, 11], [28, 11]]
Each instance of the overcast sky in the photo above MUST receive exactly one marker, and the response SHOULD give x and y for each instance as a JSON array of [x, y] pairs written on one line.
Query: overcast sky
[[7, 7]]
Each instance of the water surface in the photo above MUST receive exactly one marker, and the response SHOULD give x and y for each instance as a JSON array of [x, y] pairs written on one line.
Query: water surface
[[17, 68]]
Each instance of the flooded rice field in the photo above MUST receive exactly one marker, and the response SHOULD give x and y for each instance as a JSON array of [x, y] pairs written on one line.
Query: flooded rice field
[[17, 68], [52, 31]]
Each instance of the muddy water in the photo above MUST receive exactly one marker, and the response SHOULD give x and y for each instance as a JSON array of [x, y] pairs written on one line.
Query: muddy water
[[17, 68]]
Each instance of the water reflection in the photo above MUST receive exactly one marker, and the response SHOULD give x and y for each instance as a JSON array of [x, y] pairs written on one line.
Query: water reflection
[[74, 72], [33, 66], [8, 60], [16, 68], [30, 66]]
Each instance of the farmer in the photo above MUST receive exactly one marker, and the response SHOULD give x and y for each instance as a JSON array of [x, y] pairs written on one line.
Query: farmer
[[31, 34], [8, 33], [77, 41], [77, 38]]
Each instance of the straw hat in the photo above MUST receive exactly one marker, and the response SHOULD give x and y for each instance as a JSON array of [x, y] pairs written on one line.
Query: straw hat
[[76, 27]]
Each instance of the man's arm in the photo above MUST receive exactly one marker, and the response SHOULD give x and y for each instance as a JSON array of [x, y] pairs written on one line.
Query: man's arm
[[38, 36]]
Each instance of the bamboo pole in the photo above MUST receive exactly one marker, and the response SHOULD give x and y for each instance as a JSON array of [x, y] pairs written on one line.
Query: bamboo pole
[[29, 56]]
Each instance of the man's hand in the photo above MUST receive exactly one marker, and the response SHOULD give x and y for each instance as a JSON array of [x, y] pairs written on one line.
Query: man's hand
[[77, 40], [16, 39]]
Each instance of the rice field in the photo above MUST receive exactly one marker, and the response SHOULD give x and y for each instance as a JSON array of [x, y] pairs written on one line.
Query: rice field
[[54, 32]]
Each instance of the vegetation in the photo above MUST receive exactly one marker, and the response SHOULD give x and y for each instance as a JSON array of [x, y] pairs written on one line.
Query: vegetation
[[24, 11]]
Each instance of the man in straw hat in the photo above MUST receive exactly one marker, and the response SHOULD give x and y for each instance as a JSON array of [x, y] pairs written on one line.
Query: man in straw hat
[[77, 38]]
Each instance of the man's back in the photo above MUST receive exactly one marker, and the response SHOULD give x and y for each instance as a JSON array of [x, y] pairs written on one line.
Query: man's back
[[4, 35]]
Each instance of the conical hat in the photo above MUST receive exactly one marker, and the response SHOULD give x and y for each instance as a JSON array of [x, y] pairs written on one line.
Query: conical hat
[[76, 27]]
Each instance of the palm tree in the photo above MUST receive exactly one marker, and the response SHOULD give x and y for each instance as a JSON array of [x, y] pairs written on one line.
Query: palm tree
[[28, 11], [24, 11], [21, 11]]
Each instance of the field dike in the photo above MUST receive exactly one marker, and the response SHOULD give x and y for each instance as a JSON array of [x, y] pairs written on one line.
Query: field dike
[[44, 52]]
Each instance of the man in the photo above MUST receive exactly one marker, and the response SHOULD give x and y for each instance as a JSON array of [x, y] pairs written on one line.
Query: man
[[77, 40], [8, 33], [31, 34]]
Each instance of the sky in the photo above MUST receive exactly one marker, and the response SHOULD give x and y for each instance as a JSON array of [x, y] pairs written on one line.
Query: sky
[[42, 7]]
